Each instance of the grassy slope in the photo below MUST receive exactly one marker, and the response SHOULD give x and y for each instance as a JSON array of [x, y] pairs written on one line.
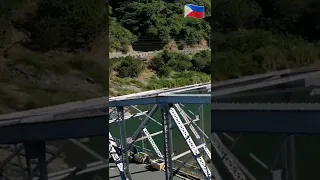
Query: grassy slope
[[31, 79], [148, 80]]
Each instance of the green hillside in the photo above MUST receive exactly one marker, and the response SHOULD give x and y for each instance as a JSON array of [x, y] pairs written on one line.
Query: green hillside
[[257, 36], [151, 25], [156, 23], [51, 52]]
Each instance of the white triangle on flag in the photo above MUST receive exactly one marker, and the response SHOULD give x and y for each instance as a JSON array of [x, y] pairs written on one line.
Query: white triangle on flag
[[187, 10]]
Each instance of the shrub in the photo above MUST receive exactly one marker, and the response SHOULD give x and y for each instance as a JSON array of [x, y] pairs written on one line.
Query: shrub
[[164, 71], [70, 24], [130, 67]]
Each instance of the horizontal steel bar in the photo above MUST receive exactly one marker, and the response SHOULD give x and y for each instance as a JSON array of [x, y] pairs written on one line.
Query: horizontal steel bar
[[266, 106], [259, 121], [170, 99], [261, 77], [95, 103], [72, 128], [263, 84], [250, 78], [194, 87]]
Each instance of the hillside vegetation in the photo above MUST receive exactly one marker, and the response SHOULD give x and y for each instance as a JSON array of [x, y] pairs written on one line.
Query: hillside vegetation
[[51, 52], [257, 36], [155, 25]]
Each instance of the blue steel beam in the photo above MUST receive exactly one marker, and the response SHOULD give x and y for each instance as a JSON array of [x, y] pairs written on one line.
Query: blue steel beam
[[68, 128], [265, 118], [262, 77], [263, 84], [169, 99]]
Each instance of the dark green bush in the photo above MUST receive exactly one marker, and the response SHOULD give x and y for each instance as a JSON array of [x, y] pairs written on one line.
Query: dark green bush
[[70, 24], [130, 67], [164, 71]]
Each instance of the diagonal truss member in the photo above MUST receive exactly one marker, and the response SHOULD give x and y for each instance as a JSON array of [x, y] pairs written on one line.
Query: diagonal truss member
[[142, 128], [115, 157], [192, 146]]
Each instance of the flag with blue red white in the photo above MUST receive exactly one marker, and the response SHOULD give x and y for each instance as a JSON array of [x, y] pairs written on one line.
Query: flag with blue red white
[[195, 11]]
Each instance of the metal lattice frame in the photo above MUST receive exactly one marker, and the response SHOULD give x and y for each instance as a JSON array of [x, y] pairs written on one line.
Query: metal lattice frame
[[27, 132], [228, 115], [169, 101]]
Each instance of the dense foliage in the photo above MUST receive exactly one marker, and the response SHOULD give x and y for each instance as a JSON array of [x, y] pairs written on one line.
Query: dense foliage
[[148, 25], [129, 67], [6, 13], [159, 20], [167, 61], [163, 64], [166, 70], [51, 52], [256, 36], [65, 24], [120, 38]]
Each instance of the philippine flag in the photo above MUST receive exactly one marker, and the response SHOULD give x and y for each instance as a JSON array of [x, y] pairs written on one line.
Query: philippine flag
[[191, 10]]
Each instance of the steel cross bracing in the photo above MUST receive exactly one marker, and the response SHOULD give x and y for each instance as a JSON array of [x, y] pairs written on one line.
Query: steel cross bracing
[[36, 170], [236, 108], [170, 102], [27, 133], [206, 171], [256, 116], [116, 158]]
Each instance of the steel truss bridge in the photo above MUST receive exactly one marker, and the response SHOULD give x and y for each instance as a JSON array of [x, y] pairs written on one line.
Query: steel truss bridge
[[25, 136], [175, 115], [285, 102]]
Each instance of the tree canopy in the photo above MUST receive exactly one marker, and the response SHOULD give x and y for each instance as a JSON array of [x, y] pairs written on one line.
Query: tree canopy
[[257, 36], [161, 20]]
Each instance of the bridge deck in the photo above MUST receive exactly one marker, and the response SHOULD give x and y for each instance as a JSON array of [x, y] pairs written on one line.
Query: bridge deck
[[138, 171]]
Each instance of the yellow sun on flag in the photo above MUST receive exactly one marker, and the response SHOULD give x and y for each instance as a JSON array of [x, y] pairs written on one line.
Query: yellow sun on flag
[[187, 10]]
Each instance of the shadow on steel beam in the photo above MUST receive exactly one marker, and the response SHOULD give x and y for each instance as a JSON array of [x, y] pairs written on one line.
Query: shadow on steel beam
[[262, 121], [63, 129]]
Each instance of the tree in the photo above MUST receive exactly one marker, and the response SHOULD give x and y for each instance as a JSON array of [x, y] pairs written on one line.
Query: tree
[[70, 24], [130, 67], [164, 71], [202, 62], [161, 20], [235, 14], [120, 38]]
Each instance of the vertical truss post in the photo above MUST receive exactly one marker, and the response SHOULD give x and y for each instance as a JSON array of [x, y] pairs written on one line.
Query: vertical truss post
[[29, 168], [16, 148], [123, 137], [142, 145], [290, 158], [170, 122], [289, 154], [167, 141], [201, 118], [36, 150]]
